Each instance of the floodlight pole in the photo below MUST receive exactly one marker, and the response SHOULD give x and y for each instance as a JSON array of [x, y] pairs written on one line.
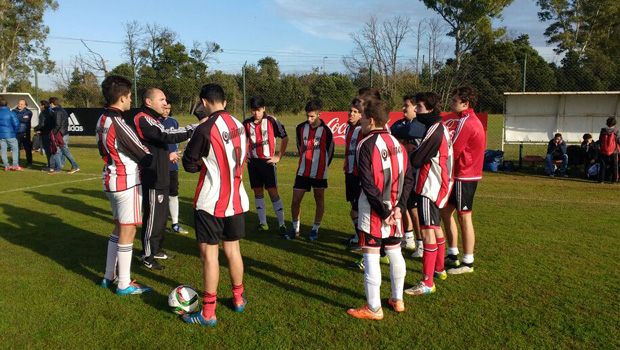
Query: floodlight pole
[[135, 88], [370, 75], [244, 96], [524, 71], [36, 86]]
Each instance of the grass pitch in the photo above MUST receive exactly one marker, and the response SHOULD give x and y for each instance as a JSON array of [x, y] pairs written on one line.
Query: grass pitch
[[547, 271]]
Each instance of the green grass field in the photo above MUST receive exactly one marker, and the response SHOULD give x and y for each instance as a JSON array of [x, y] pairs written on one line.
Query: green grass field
[[547, 272]]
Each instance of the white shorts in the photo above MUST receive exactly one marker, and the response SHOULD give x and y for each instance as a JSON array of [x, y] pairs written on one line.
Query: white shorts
[[127, 205]]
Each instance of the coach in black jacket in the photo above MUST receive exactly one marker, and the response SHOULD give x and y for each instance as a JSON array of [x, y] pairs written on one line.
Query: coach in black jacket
[[156, 177]]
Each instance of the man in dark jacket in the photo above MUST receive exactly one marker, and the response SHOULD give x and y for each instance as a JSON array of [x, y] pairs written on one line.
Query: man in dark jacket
[[156, 177], [61, 125], [556, 150], [24, 115], [46, 124]]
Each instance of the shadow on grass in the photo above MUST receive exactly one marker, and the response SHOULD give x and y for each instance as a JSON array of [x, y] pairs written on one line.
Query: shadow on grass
[[77, 250]]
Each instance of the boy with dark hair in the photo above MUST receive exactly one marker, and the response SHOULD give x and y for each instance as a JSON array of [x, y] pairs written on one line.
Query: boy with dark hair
[[556, 150], [590, 150], [218, 149], [434, 179], [468, 143], [353, 136], [386, 180], [122, 154], [315, 144], [261, 132], [609, 139], [156, 177]]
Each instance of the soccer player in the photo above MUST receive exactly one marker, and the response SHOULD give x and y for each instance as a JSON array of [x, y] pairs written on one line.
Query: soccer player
[[173, 151], [434, 179], [409, 131], [122, 153], [218, 150], [352, 181], [156, 177], [386, 178], [468, 142], [315, 144], [261, 131]]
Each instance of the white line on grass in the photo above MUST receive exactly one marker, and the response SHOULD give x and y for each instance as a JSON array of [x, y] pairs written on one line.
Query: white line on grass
[[47, 185]]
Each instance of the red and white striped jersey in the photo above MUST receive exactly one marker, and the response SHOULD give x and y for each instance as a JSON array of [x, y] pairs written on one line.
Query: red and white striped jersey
[[468, 142], [220, 143], [352, 138], [434, 160], [121, 151], [316, 150], [386, 180], [262, 136]]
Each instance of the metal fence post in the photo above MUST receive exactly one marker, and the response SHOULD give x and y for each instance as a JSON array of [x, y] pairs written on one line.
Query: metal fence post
[[244, 95], [371, 76]]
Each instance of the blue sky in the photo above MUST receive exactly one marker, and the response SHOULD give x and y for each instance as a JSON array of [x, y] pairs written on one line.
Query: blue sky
[[299, 34]]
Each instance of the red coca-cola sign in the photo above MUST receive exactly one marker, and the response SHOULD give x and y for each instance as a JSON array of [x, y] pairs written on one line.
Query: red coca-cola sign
[[337, 122]]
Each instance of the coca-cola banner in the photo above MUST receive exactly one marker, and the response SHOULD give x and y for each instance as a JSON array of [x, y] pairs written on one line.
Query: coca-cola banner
[[337, 122]]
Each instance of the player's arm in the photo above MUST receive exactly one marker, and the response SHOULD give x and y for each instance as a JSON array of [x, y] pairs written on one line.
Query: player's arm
[[196, 148], [329, 138], [563, 147], [280, 132], [427, 149], [129, 143], [366, 175], [154, 131], [299, 138], [407, 186]]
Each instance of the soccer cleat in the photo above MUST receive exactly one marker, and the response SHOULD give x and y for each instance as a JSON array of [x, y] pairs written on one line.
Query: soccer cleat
[[240, 304], [29, 165], [163, 255], [154, 265], [419, 253], [74, 170], [197, 318], [420, 289], [365, 312], [178, 229], [408, 243], [7, 168], [314, 235], [105, 283], [291, 235], [133, 288], [441, 275], [282, 230], [384, 260], [357, 264], [262, 228], [451, 263], [17, 168], [460, 270], [398, 305]]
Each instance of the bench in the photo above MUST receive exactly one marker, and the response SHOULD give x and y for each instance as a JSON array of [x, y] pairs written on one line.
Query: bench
[[538, 159]]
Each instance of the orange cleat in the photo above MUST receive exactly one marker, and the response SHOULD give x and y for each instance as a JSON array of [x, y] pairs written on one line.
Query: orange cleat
[[366, 312], [398, 305]]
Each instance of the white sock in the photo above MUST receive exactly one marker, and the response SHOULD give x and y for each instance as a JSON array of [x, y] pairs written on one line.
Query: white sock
[[296, 225], [468, 258], [173, 205], [419, 244], [279, 210], [124, 265], [112, 258], [316, 226], [409, 235], [453, 251], [261, 211], [372, 280], [398, 270]]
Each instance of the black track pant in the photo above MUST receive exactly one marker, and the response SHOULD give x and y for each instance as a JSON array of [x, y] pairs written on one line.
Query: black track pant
[[26, 143], [155, 207], [611, 161]]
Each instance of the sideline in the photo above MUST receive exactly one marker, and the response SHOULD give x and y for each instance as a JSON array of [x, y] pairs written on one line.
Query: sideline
[[51, 184]]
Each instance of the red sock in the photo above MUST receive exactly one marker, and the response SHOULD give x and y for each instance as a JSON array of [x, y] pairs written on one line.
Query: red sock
[[237, 292], [428, 263], [208, 305], [441, 250]]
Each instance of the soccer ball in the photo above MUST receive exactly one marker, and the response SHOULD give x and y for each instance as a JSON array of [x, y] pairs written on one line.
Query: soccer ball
[[183, 300]]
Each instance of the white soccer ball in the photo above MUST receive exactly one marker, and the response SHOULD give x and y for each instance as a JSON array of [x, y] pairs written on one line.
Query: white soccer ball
[[183, 300]]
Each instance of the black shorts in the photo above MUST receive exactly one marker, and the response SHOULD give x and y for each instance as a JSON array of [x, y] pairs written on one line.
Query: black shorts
[[211, 230], [262, 174], [353, 187], [462, 195], [412, 201], [174, 183], [368, 241], [306, 183], [428, 214]]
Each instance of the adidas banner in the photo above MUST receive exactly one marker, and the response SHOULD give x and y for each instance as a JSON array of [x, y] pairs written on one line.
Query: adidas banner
[[83, 121]]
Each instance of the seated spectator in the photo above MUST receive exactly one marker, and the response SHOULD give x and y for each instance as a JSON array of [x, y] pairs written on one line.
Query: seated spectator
[[556, 150], [589, 150], [609, 139]]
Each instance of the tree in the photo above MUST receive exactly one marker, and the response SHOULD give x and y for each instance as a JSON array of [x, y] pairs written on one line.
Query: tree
[[22, 38], [467, 20], [83, 90]]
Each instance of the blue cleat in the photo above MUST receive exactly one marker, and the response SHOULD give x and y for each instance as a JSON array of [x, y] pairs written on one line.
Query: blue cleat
[[197, 318], [291, 235], [105, 283], [239, 306], [133, 288], [314, 235]]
